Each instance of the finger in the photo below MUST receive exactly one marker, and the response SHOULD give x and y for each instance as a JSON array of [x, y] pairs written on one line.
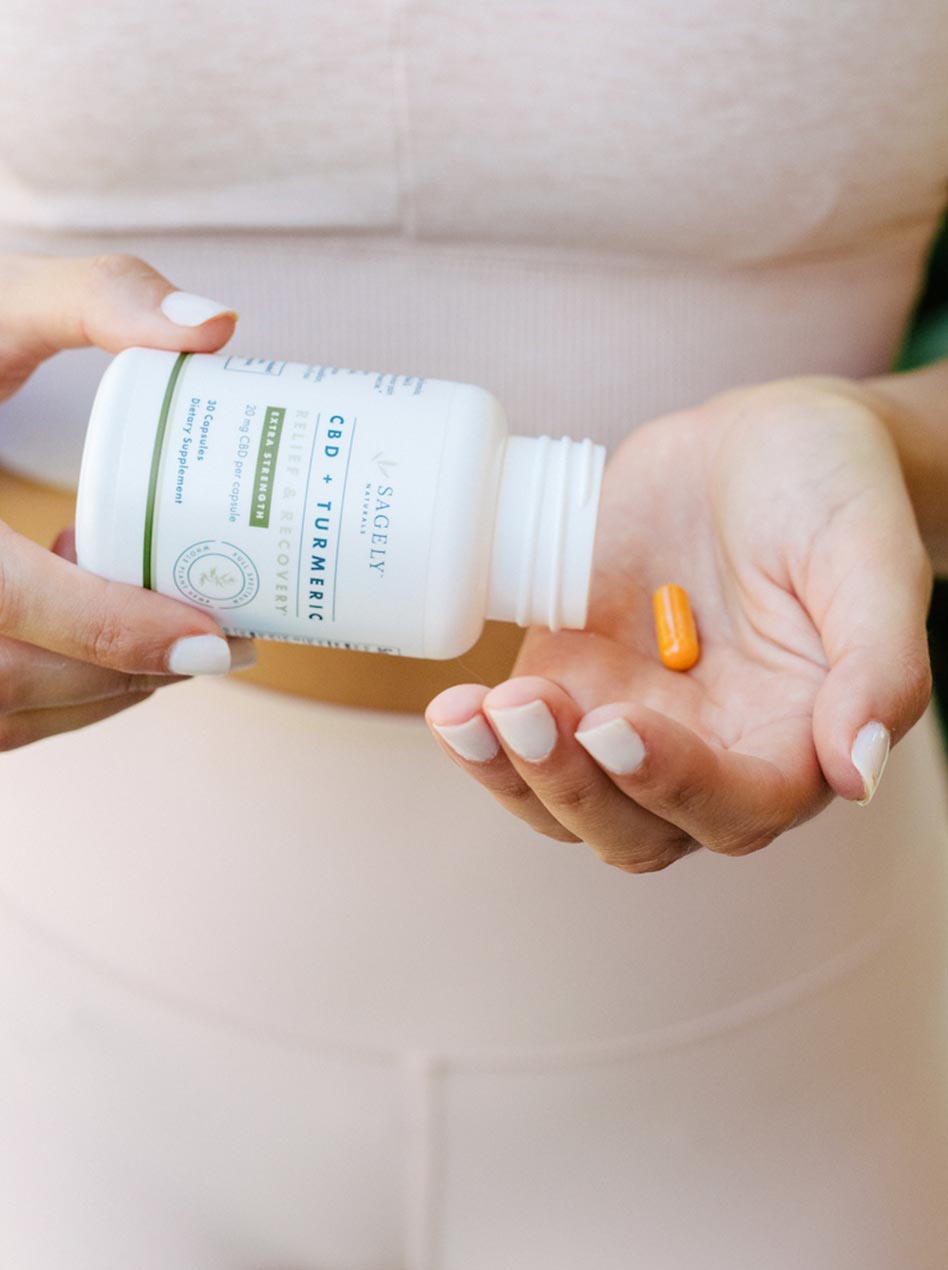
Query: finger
[[34, 678], [458, 724], [536, 721], [17, 730], [874, 636], [48, 303], [47, 601], [65, 544], [242, 652], [728, 800]]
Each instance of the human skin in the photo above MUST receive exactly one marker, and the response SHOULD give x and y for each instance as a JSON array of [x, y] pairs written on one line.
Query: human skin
[[783, 510], [804, 641], [74, 648]]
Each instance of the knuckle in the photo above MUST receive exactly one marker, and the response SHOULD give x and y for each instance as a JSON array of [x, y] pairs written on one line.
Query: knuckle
[[110, 641], [513, 791], [650, 858], [106, 642], [105, 268], [689, 794], [576, 794], [517, 797], [740, 841]]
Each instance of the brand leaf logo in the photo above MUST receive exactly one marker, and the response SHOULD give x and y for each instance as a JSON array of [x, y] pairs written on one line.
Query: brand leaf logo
[[215, 579], [383, 464]]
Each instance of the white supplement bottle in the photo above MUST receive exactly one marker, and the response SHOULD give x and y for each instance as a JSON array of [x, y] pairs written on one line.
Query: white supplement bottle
[[336, 507]]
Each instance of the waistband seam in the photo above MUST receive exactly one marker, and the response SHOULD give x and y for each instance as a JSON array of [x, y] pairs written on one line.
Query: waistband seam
[[481, 1059]]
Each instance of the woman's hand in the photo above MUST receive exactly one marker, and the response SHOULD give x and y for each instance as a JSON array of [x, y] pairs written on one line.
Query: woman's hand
[[782, 511], [74, 648]]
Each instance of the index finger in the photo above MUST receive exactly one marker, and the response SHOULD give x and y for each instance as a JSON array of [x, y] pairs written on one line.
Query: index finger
[[48, 601], [49, 303]]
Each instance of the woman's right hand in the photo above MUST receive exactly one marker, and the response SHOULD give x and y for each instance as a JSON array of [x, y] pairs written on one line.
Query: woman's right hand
[[782, 509], [73, 647]]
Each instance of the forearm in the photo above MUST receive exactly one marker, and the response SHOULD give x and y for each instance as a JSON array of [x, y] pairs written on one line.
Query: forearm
[[914, 405]]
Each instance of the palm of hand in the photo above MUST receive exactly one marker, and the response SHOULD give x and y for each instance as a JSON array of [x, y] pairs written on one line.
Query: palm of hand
[[783, 512], [747, 530]]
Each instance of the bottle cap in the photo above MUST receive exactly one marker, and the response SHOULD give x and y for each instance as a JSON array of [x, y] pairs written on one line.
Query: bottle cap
[[541, 558]]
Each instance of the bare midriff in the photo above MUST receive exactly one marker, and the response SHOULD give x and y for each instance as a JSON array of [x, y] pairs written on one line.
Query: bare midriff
[[357, 679]]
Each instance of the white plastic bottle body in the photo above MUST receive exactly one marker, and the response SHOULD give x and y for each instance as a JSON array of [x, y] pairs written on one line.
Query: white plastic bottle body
[[463, 524], [329, 506]]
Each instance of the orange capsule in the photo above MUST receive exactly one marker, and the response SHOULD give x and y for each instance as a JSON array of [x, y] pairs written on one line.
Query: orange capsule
[[675, 627]]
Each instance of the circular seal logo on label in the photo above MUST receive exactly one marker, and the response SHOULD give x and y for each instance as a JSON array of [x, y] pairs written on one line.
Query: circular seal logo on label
[[216, 574]]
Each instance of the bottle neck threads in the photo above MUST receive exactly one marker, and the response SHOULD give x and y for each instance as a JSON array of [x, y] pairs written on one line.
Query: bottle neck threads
[[541, 559]]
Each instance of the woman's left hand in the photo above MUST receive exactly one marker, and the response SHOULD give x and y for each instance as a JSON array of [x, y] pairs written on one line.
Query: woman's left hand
[[782, 511]]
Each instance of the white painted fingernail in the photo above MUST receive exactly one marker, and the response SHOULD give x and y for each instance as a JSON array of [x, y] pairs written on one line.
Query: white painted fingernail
[[472, 740], [530, 730], [200, 655], [243, 654], [869, 754], [615, 745], [185, 309]]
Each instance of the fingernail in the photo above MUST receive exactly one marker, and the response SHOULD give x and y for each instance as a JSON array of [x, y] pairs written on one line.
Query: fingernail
[[243, 654], [472, 740], [615, 745], [529, 730], [869, 755], [185, 309], [200, 655]]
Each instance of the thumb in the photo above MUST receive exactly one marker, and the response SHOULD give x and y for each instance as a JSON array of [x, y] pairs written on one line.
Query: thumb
[[875, 639], [49, 303]]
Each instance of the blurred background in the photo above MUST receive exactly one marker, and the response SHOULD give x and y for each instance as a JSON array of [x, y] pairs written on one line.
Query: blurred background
[[926, 341]]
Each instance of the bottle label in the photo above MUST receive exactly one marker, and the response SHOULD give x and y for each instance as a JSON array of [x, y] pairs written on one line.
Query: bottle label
[[296, 501]]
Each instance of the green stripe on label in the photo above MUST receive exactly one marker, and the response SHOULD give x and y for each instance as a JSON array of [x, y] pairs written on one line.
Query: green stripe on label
[[148, 564], [266, 467]]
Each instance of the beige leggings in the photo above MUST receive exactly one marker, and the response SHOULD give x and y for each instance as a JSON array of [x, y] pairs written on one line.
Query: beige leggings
[[279, 990]]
